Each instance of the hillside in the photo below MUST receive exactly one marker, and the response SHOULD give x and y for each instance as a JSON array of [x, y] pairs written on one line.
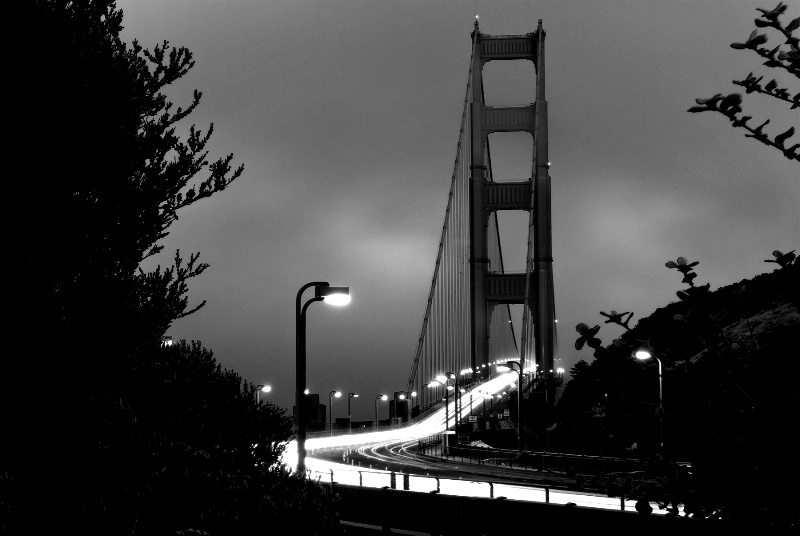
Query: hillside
[[730, 395]]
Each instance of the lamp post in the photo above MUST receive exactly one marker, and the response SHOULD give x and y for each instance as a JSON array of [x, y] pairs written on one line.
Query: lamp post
[[516, 367], [644, 355], [350, 396], [334, 296], [379, 397], [261, 389], [337, 394], [403, 395], [442, 378]]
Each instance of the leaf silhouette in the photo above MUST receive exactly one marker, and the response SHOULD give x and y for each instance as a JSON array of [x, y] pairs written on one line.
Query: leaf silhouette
[[779, 139]]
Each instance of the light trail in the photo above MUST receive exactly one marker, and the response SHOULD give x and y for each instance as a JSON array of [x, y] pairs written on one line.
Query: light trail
[[397, 441], [326, 471], [430, 425]]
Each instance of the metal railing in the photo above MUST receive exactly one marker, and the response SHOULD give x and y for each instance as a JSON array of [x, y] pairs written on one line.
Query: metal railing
[[406, 481]]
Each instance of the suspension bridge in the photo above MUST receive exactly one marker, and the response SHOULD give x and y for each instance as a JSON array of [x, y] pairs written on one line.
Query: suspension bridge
[[467, 325]]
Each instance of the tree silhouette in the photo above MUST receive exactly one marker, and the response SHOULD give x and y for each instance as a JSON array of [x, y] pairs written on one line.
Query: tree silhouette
[[782, 259], [104, 430], [784, 57]]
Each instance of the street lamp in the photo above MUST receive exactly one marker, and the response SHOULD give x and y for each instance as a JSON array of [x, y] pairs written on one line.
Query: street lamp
[[516, 367], [442, 378], [337, 394], [644, 355], [402, 395], [261, 389], [379, 397], [350, 396], [334, 296]]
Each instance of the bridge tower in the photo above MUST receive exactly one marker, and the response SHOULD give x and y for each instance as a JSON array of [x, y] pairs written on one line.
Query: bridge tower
[[490, 287]]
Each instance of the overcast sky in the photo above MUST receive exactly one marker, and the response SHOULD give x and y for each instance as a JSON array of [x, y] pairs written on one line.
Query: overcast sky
[[346, 116]]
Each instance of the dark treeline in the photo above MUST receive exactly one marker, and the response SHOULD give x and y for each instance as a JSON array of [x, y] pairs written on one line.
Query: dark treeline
[[103, 429], [730, 396]]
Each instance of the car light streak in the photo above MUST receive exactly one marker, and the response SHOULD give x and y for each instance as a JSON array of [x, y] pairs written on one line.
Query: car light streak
[[325, 471], [397, 441]]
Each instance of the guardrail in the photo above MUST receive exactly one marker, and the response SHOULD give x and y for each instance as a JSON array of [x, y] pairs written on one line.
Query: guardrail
[[438, 513], [344, 430], [406, 481]]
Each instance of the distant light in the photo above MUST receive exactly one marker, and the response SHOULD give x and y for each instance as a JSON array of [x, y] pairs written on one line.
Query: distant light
[[642, 354], [402, 397], [337, 394], [305, 392], [441, 378], [413, 393], [266, 389], [560, 370], [385, 397], [502, 368], [450, 387]]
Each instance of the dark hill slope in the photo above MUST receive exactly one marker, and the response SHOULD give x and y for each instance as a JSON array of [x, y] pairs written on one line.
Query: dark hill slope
[[730, 391]]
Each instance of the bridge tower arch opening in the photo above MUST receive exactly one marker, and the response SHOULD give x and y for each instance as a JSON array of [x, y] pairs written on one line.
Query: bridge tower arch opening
[[467, 322], [490, 287]]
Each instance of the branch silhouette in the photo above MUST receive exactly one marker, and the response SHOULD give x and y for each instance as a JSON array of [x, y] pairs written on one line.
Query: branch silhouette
[[785, 56]]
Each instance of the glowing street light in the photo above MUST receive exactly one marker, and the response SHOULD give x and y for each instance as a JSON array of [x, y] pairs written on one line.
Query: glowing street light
[[643, 354], [337, 394], [333, 296], [402, 395], [261, 389], [379, 397]]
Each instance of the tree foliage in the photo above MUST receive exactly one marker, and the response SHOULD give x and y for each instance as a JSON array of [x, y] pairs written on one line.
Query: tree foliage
[[729, 393], [783, 57], [104, 430]]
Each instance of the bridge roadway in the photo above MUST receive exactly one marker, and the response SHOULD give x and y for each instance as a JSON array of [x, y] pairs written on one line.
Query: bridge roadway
[[390, 453], [397, 465], [402, 457]]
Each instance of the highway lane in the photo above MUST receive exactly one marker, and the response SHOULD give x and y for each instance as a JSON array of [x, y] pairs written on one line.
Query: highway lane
[[396, 465], [334, 458]]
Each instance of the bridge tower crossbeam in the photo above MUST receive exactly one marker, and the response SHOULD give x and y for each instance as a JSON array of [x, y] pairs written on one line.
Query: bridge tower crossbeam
[[534, 289]]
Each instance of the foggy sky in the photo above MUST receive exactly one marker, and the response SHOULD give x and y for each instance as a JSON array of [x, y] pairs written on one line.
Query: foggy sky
[[346, 116]]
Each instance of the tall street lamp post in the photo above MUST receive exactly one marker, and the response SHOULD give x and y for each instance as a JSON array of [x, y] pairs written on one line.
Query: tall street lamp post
[[261, 389], [443, 378], [644, 355], [516, 367], [337, 394], [350, 396], [403, 395], [379, 397], [333, 296]]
